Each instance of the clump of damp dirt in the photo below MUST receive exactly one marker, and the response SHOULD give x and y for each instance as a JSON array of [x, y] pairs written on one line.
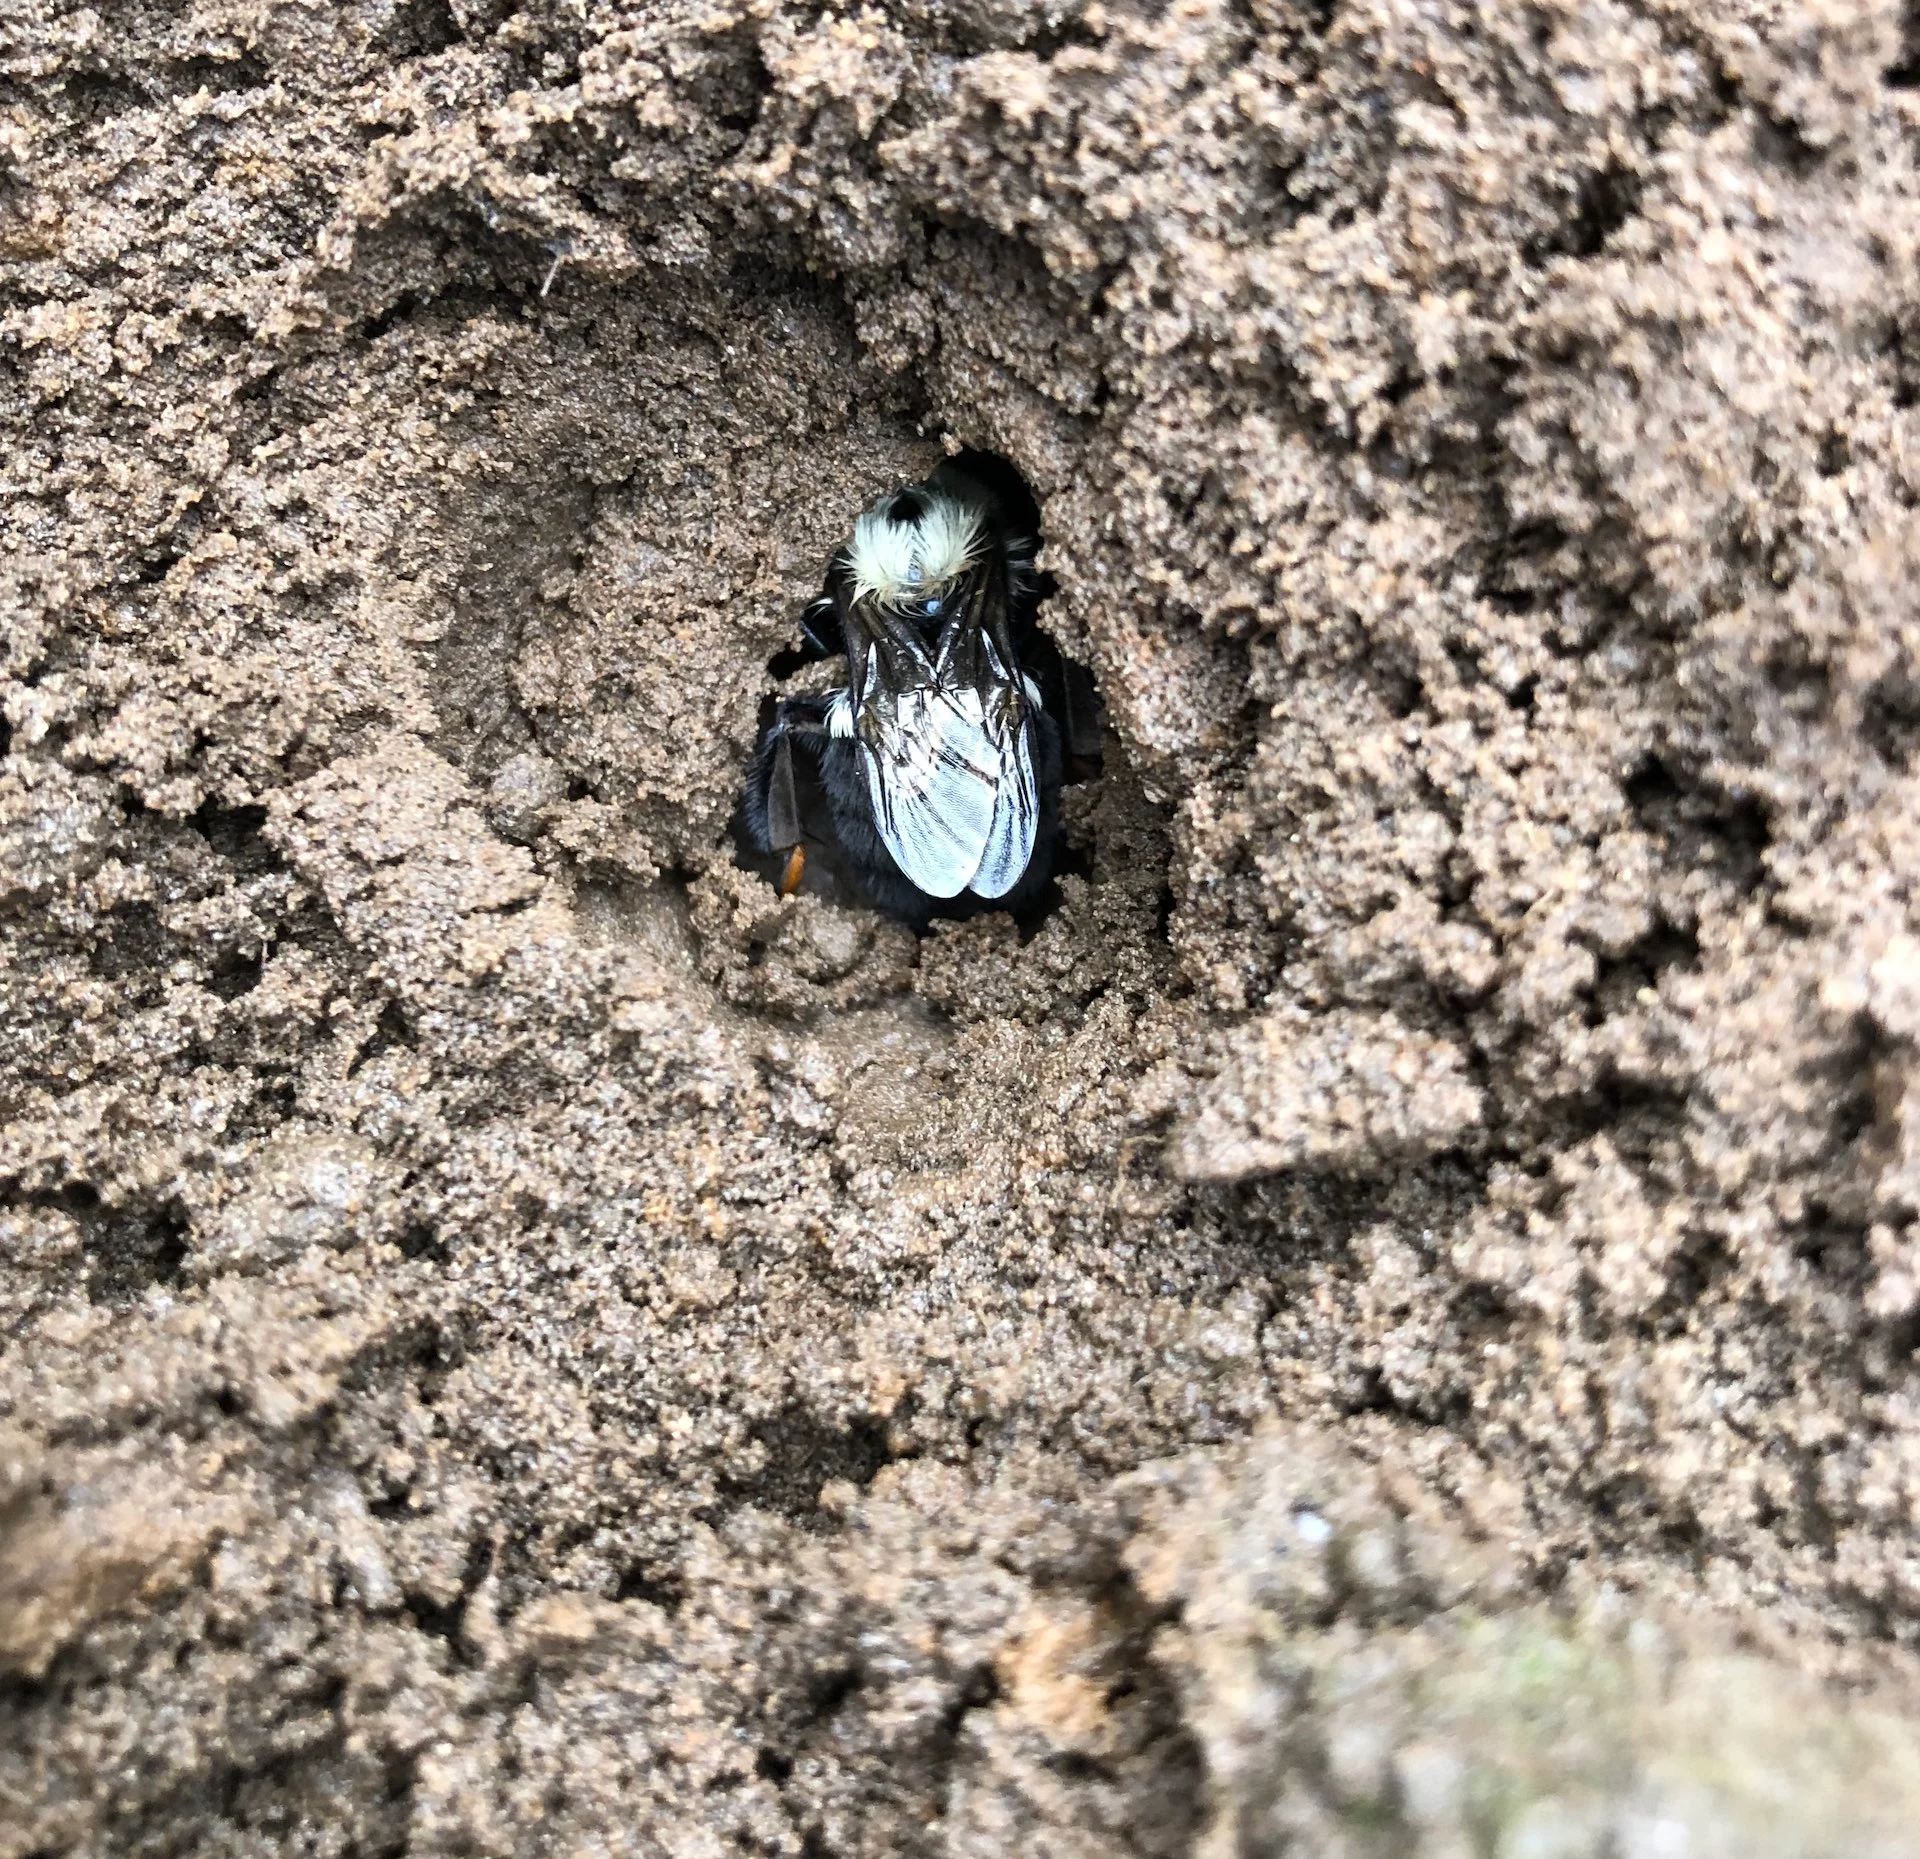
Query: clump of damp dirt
[[1380, 1318]]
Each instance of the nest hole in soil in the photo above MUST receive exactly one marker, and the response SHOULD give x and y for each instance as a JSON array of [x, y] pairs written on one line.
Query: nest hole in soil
[[621, 589]]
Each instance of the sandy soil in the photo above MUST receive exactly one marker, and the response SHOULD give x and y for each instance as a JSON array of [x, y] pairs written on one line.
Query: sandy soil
[[1384, 1324]]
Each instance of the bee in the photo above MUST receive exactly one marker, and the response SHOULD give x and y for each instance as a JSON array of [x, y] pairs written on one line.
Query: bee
[[931, 777]]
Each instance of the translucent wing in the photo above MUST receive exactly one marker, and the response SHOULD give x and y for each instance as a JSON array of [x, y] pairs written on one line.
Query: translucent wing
[[933, 779], [1016, 809]]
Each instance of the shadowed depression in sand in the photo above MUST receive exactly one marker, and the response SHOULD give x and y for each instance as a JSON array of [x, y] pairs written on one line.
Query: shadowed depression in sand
[[1382, 1323]]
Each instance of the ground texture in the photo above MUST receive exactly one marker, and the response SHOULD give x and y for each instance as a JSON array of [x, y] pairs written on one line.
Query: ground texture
[[1383, 1325]]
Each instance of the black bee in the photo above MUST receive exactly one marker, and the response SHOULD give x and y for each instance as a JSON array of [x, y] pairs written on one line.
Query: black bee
[[934, 772]]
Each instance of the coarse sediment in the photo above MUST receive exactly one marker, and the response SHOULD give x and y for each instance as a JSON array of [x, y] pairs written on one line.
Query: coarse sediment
[[1384, 1323]]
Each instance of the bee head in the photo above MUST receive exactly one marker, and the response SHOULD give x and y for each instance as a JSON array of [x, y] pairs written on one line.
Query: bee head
[[912, 543]]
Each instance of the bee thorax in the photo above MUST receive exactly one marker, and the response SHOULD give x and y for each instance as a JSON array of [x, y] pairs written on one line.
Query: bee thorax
[[894, 555]]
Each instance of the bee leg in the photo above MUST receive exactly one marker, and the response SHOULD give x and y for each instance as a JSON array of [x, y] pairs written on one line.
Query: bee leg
[[783, 803], [779, 800], [771, 804], [820, 630], [1080, 713]]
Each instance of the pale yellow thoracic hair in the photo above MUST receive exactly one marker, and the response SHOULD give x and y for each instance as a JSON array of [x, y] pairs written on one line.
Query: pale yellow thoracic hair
[[898, 563]]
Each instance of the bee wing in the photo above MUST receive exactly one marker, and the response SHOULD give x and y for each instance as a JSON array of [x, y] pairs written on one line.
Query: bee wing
[[1016, 811], [947, 752], [934, 779]]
